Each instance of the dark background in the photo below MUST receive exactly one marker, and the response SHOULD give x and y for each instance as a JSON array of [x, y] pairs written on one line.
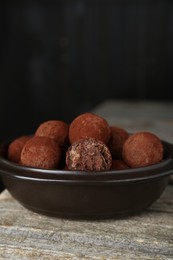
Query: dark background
[[61, 58]]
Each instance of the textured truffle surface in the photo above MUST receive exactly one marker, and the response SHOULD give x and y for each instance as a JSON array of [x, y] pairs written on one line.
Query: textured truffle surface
[[41, 152], [117, 139], [15, 148], [54, 129], [88, 155], [142, 149], [89, 125]]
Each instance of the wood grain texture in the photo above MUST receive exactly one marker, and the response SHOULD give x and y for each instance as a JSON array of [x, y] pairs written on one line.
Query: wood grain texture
[[27, 235]]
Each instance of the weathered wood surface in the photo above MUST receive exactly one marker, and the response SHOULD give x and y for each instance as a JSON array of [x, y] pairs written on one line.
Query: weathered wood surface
[[148, 235], [27, 235]]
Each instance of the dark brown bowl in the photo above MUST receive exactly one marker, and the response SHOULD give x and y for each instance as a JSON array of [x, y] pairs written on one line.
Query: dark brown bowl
[[73, 194]]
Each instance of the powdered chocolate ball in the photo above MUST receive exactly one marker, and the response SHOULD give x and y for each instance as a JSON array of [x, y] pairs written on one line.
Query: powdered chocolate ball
[[118, 165], [142, 149], [15, 148], [41, 152], [117, 139], [54, 129], [88, 155], [89, 125]]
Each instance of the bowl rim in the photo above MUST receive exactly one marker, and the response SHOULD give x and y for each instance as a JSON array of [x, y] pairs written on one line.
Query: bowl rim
[[14, 170]]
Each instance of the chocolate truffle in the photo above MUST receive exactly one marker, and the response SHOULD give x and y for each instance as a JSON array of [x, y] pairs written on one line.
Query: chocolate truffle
[[15, 148], [41, 152], [89, 125], [54, 129], [88, 155], [118, 165], [117, 138], [142, 149]]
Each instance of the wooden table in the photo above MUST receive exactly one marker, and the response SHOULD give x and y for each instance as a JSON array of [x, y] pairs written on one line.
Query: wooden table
[[148, 235]]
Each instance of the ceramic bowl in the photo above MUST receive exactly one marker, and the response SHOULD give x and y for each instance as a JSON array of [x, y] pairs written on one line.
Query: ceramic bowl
[[78, 194]]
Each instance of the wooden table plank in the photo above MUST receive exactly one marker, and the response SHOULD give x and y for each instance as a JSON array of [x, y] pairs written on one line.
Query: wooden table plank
[[28, 235]]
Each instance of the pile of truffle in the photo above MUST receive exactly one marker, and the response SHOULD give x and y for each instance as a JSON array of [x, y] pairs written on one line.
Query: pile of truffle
[[89, 143]]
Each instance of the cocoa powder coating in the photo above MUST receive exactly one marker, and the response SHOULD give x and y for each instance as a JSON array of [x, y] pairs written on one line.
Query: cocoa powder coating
[[89, 125], [142, 149], [118, 164], [54, 129], [41, 152], [15, 148], [117, 139]]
